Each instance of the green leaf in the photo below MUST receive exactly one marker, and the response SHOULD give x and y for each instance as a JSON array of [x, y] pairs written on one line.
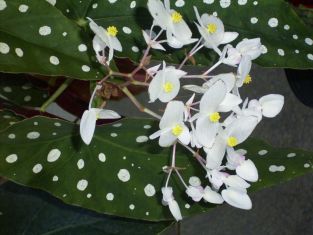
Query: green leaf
[[27, 211], [24, 49], [35, 37], [95, 176], [8, 118], [239, 16], [21, 91]]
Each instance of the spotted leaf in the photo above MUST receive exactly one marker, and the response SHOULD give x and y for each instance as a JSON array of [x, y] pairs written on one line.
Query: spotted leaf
[[27, 211], [120, 172], [21, 91], [35, 37], [8, 118], [273, 21]]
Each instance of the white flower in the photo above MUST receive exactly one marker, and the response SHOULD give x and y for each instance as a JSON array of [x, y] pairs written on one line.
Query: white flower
[[165, 85], [168, 199], [212, 196], [177, 31], [104, 38], [88, 122], [149, 36], [268, 106], [237, 198], [212, 31], [172, 127], [197, 193], [215, 100], [235, 133], [90, 116], [244, 168]]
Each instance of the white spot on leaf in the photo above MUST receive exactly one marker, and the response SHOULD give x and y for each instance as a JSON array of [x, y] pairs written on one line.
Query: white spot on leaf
[[33, 135], [127, 30], [262, 152], [101, 157], [11, 158], [55, 178], [11, 136], [123, 175], [82, 47], [110, 196], [82, 184], [37, 168], [291, 154], [274, 168], [44, 30], [3, 5], [132, 4], [4, 48], [86, 68], [23, 8], [142, 139], [54, 60], [149, 190], [80, 164], [273, 22], [19, 52], [53, 155]]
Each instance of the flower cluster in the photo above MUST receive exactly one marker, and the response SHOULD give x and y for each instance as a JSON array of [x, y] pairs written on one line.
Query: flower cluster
[[214, 121]]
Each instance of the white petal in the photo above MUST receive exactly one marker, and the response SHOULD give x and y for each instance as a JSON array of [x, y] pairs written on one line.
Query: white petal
[[212, 196], [229, 37], [216, 154], [229, 103], [173, 114], [271, 105], [213, 97], [107, 114], [228, 78], [250, 47], [115, 43], [206, 131], [184, 137], [236, 182], [87, 126], [234, 159], [174, 208], [167, 139], [153, 70], [195, 88], [98, 44], [243, 69], [155, 135], [158, 12], [237, 198], [173, 41], [168, 96], [248, 171], [167, 193], [195, 193], [242, 128], [155, 86]]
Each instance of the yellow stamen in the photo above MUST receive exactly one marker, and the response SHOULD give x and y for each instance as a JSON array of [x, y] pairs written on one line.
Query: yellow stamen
[[232, 141], [211, 28], [168, 87], [215, 117], [97, 116], [112, 31], [248, 79], [177, 130], [176, 17]]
